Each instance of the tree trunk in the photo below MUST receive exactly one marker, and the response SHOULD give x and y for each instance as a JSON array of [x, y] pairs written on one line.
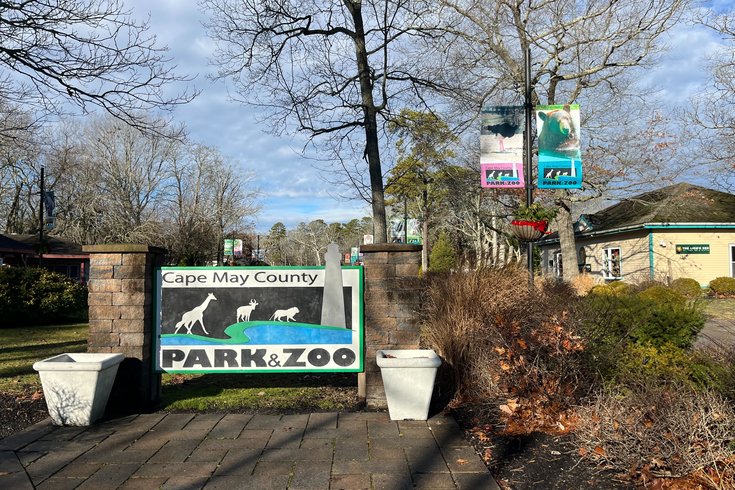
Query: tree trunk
[[425, 248], [372, 151], [567, 241]]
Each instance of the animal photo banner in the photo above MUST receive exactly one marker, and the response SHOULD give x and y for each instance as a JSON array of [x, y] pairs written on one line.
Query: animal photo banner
[[260, 319], [559, 155], [501, 147]]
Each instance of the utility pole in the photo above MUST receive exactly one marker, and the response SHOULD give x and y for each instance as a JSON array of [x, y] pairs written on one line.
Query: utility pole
[[40, 222], [528, 156]]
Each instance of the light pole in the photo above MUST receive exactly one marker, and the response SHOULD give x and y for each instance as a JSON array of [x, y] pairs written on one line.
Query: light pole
[[40, 221], [527, 155]]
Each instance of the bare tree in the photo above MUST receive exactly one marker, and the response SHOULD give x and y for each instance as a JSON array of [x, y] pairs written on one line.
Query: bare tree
[[209, 198], [88, 52], [19, 167], [329, 69], [313, 237], [582, 51], [713, 110], [132, 169]]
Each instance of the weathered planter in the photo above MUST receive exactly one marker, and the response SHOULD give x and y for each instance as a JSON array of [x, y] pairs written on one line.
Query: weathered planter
[[77, 385], [528, 231], [408, 378]]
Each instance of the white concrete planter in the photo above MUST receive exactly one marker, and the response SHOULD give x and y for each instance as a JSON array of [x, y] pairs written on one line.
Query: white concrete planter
[[408, 378], [77, 386]]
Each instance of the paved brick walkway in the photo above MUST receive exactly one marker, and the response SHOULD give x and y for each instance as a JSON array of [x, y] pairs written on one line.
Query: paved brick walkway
[[231, 451]]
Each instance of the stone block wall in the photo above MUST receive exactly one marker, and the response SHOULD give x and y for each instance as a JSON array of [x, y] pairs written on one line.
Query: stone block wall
[[121, 319], [392, 302]]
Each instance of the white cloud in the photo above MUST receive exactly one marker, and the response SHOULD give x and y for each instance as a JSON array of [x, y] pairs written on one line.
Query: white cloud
[[682, 71]]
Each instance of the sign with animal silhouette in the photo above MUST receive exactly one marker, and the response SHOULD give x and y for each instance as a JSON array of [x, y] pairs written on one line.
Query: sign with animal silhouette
[[501, 146], [260, 319], [559, 153]]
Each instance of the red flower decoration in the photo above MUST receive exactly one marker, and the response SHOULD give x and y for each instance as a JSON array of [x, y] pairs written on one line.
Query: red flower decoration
[[541, 226]]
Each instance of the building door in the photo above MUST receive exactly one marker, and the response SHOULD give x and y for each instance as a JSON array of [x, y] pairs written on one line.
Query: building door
[[558, 266], [732, 260]]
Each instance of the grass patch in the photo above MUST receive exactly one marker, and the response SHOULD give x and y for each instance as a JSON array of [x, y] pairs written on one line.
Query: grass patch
[[259, 392], [21, 347], [721, 308]]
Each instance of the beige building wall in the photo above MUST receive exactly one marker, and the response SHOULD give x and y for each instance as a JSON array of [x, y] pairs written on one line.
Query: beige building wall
[[700, 267], [668, 265], [633, 248]]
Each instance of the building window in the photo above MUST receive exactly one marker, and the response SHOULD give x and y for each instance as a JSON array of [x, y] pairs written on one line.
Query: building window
[[612, 264], [558, 267]]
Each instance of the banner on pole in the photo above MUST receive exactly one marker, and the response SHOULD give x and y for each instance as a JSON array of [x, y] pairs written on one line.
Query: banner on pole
[[501, 146], [559, 154], [411, 234]]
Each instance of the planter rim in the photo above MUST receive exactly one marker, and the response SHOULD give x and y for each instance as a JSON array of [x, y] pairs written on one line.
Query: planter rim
[[408, 358], [76, 361]]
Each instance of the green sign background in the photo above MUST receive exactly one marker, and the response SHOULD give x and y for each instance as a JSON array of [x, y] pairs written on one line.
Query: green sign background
[[702, 248]]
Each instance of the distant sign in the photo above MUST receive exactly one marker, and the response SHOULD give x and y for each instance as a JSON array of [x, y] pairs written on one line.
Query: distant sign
[[229, 246], [259, 319], [399, 233], [367, 239], [692, 249], [258, 254]]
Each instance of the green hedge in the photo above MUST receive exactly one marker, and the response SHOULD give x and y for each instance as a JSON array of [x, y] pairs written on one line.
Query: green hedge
[[724, 286], [645, 333], [687, 287], [30, 295]]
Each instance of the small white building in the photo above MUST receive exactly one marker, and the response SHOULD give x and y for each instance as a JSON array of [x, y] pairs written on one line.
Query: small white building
[[682, 230]]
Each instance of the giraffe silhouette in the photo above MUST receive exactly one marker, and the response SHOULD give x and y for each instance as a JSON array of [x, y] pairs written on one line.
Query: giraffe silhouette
[[191, 317]]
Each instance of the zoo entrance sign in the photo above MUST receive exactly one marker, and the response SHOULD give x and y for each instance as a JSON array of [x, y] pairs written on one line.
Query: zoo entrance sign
[[253, 319]]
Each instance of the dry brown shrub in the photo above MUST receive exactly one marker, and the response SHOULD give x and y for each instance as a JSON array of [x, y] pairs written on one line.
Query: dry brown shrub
[[507, 346], [583, 284], [661, 432]]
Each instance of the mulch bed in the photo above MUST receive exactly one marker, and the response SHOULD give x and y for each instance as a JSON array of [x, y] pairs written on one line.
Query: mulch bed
[[20, 411], [537, 460]]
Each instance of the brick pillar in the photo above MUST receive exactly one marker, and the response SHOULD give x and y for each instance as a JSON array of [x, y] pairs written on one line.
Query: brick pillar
[[392, 301], [121, 319]]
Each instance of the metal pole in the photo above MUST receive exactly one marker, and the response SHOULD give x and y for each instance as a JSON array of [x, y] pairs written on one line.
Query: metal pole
[[528, 156], [40, 223], [405, 221]]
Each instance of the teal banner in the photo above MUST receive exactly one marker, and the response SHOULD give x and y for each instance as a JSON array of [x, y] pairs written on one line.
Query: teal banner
[[559, 150]]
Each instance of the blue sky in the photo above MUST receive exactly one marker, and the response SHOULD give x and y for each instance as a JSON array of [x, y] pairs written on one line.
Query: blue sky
[[291, 188]]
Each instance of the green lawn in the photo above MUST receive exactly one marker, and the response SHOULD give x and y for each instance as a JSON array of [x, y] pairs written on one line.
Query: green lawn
[[21, 347], [722, 308], [261, 392]]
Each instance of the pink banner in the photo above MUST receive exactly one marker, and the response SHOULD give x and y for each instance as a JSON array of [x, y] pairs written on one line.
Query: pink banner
[[501, 147]]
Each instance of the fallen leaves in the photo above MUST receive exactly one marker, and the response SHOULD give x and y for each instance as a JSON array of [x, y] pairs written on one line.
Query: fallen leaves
[[510, 407]]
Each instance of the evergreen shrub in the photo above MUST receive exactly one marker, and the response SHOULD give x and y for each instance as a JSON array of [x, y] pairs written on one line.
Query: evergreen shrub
[[687, 287], [723, 286], [31, 295], [617, 326], [443, 258]]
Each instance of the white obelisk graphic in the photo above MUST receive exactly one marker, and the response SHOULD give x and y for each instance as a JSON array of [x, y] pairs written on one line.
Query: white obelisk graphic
[[333, 300]]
